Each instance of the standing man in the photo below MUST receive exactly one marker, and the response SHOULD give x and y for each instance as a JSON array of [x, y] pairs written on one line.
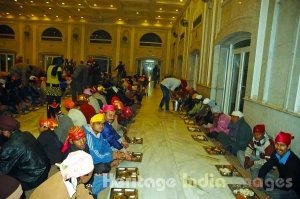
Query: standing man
[[155, 75], [121, 70], [168, 86]]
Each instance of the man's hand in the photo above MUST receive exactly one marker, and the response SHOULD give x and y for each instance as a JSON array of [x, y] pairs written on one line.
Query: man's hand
[[257, 183], [125, 144], [117, 155], [248, 163]]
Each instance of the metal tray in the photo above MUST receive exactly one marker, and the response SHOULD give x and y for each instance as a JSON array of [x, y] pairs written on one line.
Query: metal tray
[[136, 140], [189, 122], [127, 174], [199, 138], [194, 128], [238, 191], [135, 156], [123, 193], [212, 150], [228, 170]]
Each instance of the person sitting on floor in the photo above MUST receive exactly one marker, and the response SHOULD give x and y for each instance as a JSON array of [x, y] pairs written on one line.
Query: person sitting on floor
[[287, 163], [75, 114], [220, 123], [21, 156], [239, 136], [87, 110], [75, 171], [49, 140], [103, 157], [258, 151], [13, 188]]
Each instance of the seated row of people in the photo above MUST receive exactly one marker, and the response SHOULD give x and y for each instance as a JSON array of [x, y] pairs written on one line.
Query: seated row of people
[[259, 153], [98, 138]]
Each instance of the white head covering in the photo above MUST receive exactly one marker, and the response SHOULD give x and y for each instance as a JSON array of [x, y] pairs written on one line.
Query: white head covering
[[198, 96], [237, 113], [206, 101], [216, 109], [87, 91], [78, 163]]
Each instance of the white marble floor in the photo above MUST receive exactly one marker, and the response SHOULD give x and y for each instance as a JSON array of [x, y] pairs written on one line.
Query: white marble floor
[[170, 156]]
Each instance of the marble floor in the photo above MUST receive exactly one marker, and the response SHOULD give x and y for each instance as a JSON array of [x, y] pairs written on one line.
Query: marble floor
[[171, 158]]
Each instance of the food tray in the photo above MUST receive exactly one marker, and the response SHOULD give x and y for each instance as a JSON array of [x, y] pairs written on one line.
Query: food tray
[[127, 174], [135, 156], [228, 170], [194, 128], [190, 122], [242, 191], [211, 150], [199, 138], [136, 140], [123, 193]]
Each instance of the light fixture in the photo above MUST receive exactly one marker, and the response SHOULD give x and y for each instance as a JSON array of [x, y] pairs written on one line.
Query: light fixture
[[62, 3], [111, 5], [31, 1], [95, 5], [78, 9], [176, 10], [47, 2], [160, 8], [158, 16], [7, 13], [173, 17], [20, 14], [50, 8], [79, 4], [56, 16], [81, 17], [137, 13]]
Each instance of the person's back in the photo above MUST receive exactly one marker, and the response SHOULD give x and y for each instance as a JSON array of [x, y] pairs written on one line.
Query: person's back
[[24, 159]]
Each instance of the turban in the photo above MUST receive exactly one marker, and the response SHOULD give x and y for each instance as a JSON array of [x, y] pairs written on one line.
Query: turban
[[49, 123], [74, 133], [78, 163], [260, 128], [87, 91], [8, 123], [206, 101], [107, 108], [68, 103], [284, 137], [237, 114], [97, 118]]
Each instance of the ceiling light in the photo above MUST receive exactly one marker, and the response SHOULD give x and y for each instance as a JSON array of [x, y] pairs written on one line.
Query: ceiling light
[[171, 22], [7, 13], [79, 4], [32, 15], [173, 17], [120, 19], [81, 17], [137, 13], [20, 14], [158, 16], [21, 6], [181, 0], [16, 0], [47, 2], [45, 15], [160, 8], [95, 5], [56, 16], [111, 6], [31, 1], [78, 9], [70, 17], [239, 2], [49, 8], [176, 10], [62, 3]]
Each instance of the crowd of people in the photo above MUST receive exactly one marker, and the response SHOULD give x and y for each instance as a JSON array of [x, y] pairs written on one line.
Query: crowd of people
[[84, 142], [271, 162]]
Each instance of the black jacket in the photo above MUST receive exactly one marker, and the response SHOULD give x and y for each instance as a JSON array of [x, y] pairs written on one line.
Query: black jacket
[[289, 173], [23, 158]]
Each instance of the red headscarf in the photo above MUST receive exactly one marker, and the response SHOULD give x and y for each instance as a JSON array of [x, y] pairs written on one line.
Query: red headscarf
[[260, 128], [107, 108], [284, 137], [75, 133]]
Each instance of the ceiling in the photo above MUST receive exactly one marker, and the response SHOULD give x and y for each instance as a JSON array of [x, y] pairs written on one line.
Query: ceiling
[[131, 12]]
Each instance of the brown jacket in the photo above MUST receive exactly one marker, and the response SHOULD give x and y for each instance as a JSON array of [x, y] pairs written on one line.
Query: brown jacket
[[54, 188]]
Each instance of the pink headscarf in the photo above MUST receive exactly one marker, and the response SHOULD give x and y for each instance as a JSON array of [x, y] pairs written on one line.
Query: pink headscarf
[[107, 108]]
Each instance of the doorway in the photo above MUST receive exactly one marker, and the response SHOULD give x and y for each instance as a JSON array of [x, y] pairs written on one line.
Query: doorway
[[236, 76], [145, 67], [7, 61]]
